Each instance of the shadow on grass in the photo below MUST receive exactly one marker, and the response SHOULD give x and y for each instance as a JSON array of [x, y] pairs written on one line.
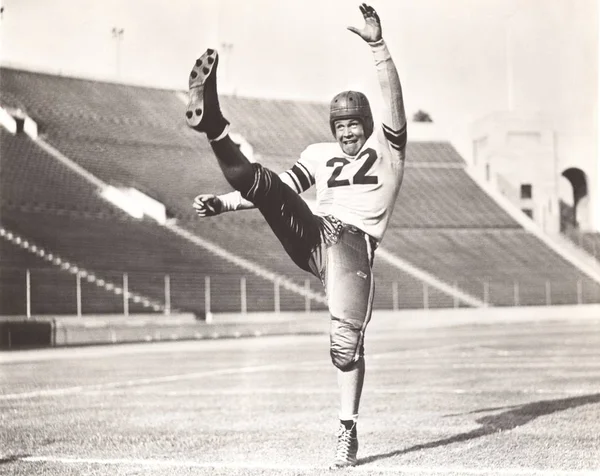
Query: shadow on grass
[[12, 458], [508, 420]]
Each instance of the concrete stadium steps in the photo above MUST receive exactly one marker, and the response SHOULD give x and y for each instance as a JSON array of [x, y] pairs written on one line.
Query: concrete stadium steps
[[278, 126], [499, 258], [395, 289], [134, 113], [440, 197], [132, 145], [61, 101], [587, 241], [248, 234], [53, 284], [63, 213], [436, 191], [32, 179], [147, 253], [433, 152], [173, 175]]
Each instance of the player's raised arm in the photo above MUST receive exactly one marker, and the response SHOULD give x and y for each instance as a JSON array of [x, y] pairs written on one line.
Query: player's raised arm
[[394, 116]]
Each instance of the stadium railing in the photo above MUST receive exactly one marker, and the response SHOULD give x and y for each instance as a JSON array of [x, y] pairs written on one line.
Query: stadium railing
[[41, 291]]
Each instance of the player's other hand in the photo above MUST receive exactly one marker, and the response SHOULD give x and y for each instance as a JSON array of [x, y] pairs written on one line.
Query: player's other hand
[[371, 32], [208, 205]]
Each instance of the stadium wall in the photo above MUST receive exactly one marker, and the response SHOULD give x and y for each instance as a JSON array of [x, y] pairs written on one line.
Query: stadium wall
[[514, 150]]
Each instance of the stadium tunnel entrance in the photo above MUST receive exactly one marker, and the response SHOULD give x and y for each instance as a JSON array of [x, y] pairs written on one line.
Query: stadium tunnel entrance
[[575, 211]]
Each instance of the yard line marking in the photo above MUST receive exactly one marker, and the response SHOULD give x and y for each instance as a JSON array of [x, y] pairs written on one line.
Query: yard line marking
[[489, 365], [334, 390], [150, 380], [158, 463], [193, 346], [419, 351], [175, 378], [78, 389], [161, 463]]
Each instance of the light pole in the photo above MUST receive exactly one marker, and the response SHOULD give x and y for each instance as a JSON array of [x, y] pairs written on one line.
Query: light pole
[[117, 34], [509, 61]]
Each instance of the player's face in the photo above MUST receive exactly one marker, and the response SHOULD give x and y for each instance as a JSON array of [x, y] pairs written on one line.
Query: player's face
[[350, 134]]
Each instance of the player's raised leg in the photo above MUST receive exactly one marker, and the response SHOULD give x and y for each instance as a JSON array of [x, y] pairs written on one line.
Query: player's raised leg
[[204, 114], [285, 211]]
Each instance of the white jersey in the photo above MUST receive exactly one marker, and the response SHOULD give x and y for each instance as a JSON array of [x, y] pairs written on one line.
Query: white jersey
[[359, 190]]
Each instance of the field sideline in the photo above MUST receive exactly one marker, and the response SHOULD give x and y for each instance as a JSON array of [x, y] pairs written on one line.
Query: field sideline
[[457, 392]]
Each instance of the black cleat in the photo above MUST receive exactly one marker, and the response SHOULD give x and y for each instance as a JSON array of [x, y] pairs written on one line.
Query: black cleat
[[347, 448], [203, 111]]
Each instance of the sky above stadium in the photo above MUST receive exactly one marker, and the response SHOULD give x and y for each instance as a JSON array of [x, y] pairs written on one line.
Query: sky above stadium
[[457, 58]]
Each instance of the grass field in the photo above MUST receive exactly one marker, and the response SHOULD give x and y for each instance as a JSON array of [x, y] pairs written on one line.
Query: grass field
[[478, 398]]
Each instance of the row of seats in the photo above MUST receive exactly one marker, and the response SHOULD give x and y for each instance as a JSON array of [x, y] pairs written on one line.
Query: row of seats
[[106, 110], [55, 209], [52, 291], [588, 241], [147, 253], [33, 179], [496, 260], [175, 175]]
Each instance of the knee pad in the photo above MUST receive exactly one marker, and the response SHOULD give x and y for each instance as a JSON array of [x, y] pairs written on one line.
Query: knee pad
[[346, 341]]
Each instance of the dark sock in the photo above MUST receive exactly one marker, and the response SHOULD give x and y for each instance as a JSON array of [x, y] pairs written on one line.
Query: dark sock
[[215, 123], [216, 126], [238, 171]]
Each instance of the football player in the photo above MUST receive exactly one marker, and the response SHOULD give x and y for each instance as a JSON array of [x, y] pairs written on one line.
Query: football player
[[357, 180]]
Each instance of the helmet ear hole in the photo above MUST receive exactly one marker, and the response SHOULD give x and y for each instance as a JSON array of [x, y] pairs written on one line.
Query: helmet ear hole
[[351, 104]]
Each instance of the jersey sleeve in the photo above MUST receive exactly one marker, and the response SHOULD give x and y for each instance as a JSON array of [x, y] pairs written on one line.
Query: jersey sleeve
[[393, 127], [302, 174], [299, 178]]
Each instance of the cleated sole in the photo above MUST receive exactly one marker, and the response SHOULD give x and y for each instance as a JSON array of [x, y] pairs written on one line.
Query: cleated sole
[[345, 464], [201, 72]]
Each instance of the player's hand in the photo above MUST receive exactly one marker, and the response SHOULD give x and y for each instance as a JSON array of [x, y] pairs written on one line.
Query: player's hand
[[371, 32], [208, 205]]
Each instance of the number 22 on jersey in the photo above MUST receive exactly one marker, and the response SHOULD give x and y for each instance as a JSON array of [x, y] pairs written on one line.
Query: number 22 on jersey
[[360, 177]]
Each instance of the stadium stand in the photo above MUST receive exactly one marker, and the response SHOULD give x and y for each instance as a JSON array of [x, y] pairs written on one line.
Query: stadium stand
[[588, 241], [131, 136], [497, 259], [53, 290], [57, 210]]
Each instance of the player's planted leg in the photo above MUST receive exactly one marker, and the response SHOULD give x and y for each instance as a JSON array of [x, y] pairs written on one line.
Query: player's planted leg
[[350, 383], [350, 288]]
